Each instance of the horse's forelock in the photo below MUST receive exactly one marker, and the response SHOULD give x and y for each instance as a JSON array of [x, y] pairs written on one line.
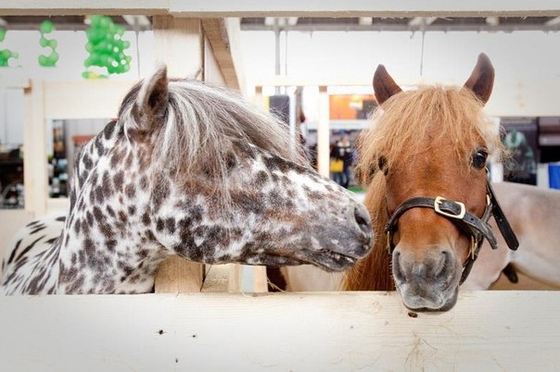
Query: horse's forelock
[[402, 124], [203, 124]]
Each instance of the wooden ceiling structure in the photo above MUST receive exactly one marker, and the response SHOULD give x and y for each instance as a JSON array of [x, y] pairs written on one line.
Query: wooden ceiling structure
[[314, 15]]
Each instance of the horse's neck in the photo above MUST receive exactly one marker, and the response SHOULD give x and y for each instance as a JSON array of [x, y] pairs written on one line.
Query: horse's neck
[[91, 153], [106, 247], [32, 267], [101, 255]]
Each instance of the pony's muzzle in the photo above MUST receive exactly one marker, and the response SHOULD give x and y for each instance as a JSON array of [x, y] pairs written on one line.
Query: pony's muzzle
[[427, 281]]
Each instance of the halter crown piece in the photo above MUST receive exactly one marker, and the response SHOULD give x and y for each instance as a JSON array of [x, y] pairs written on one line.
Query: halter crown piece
[[476, 228]]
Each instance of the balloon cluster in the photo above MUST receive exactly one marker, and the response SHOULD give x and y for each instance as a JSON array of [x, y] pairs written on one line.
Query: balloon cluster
[[49, 60], [5, 54], [106, 47]]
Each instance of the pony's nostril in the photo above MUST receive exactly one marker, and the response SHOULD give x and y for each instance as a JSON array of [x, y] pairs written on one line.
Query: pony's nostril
[[363, 219], [397, 272], [444, 264]]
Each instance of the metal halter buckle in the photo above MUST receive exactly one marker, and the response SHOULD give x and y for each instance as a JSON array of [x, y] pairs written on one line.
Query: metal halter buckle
[[439, 200]]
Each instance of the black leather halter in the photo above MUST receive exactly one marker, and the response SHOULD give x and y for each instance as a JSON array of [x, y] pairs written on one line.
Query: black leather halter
[[474, 227]]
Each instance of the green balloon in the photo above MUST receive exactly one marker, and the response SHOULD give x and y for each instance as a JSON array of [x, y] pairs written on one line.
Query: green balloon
[[43, 61], [2, 33], [46, 27]]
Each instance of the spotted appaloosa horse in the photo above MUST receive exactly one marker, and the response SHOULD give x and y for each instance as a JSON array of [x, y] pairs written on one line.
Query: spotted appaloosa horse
[[192, 170]]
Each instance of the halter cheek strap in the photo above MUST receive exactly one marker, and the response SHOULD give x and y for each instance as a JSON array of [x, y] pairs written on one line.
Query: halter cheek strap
[[501, 220], [474, 227]]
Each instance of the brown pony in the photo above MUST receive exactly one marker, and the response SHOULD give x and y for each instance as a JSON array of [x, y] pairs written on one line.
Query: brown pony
[[424, 162]]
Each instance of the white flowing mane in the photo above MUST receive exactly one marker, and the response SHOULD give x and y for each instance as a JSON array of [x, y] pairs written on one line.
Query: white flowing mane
[[203, 124]]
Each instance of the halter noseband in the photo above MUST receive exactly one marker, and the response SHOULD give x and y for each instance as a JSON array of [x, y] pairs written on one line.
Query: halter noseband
[[476, 228]]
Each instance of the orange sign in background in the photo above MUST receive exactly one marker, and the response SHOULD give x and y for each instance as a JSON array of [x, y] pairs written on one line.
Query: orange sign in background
[[351, 106]]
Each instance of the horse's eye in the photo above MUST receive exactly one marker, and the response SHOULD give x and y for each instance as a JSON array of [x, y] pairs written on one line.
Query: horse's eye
[[382, 164], [479, 159], [231, 161]]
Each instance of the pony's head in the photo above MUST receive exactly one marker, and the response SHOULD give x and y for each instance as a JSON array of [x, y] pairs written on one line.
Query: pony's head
[[425, 162], [201, 172]]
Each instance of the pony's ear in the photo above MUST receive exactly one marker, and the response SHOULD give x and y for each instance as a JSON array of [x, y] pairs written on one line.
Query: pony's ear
[[383, 85], [481, 80], [151, 103]]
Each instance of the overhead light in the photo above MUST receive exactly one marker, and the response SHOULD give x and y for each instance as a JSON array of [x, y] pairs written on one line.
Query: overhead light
[[493, 21], [282, 21], [553, 22], [365, 21], [421, 21], [139, 20], [292, 21]]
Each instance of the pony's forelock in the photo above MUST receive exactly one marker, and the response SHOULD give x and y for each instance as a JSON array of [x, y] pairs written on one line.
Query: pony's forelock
[[400, 126]]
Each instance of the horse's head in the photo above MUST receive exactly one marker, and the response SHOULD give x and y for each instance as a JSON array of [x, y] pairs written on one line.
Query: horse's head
[[216, 179], [430, 148]]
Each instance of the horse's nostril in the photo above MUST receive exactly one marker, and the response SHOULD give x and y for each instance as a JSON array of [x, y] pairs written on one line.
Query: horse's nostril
[[397, 272], [363, 219], [444, 264]]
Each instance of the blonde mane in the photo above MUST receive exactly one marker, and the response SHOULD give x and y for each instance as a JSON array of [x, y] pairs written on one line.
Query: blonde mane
[[361, 276], [405, 124], [206, 127]]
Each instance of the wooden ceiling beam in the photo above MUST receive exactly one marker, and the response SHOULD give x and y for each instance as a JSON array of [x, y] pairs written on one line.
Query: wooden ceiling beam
[[287, 8], [222, 35]]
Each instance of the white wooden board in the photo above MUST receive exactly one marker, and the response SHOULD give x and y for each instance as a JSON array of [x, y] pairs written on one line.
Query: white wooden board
[[284, 8], [486, 331]]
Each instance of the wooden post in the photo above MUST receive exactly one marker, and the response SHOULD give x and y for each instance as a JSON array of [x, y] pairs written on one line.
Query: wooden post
[[176, 275], [323, 133], [179, 44], [35, 176]]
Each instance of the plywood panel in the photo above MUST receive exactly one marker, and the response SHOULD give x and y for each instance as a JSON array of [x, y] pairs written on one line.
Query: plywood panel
[[486, 331]]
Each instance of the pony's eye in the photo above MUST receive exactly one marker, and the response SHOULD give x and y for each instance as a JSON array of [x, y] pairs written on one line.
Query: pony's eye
[[382, 164], [479, 159]]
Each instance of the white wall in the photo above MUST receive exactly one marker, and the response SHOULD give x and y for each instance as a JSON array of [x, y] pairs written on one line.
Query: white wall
[[11, 117], [527, 63], [71, 48]]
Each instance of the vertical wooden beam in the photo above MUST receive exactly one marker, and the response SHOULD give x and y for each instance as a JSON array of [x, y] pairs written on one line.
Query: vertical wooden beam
[[177, 275], [223, 278], [35, 176], [178, 42], [260, 279], [323, 133], [222, 35]]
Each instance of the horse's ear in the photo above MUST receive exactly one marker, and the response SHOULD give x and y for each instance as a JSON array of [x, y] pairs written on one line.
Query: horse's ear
[[383, 85], [481, 80], [152, 100]]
